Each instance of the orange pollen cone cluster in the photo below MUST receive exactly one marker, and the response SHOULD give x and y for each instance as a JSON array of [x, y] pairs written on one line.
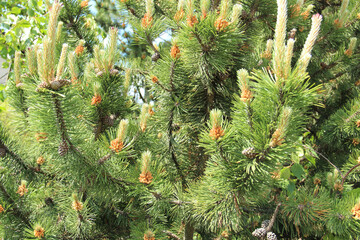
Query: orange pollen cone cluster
[[191, 20], [175, 51], [79, 50], [96, 100], [154, 79], [84, 4], [179, 15], [146, 21], [116, 145], [146, 177], [39, 232], [221, 24], [276, 140], [22, 190], [356, 211], [216, 132], [77, 205], [245, 95]]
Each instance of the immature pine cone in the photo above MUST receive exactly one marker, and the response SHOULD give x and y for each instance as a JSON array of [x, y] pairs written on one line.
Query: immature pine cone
[[2, 152], [63, 148], [259, 232], [271, 236], [265, 223], [249, 152]]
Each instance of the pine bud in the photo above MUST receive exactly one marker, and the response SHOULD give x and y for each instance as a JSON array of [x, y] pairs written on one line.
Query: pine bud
[[278, 136], [39, 232], [314, 32], [204, 6], [76, 204], [22, 190], [17, 67], [145, 176], [236, 12], [243, 81], [61, 64], [146, 21], [343, 13], [113, 33], [280, 35], [304, 63], [269, 47], [144, 116], [288, 56], [59, 31], [352, 46], [127, 80], [216, 121], [118, 143], [72, 67], [31, 60], [49, 45], [122, 130]]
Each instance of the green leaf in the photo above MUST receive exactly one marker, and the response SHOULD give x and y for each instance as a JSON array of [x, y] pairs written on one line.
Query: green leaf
[[297, 170], [15, 10], [311, 159], [291, 187], [285, 173], [22, 24]]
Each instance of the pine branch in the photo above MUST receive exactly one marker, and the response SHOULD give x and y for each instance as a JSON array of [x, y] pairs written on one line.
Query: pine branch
[[99, 127], [141, 96], [352, 116], [347, 174], [22, 163], [148, 40], [132, 10], [273, 218], [60, 118], [341, 174], [73, 25], [104, 159], [178, 202], [16, 211], [171, 235]]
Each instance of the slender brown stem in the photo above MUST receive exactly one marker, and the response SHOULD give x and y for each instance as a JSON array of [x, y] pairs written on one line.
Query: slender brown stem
[[341, 174], [171, 235], [347, 174], [273, 218]]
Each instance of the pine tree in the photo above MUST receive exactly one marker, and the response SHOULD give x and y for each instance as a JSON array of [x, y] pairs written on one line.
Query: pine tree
[[244, 124]]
